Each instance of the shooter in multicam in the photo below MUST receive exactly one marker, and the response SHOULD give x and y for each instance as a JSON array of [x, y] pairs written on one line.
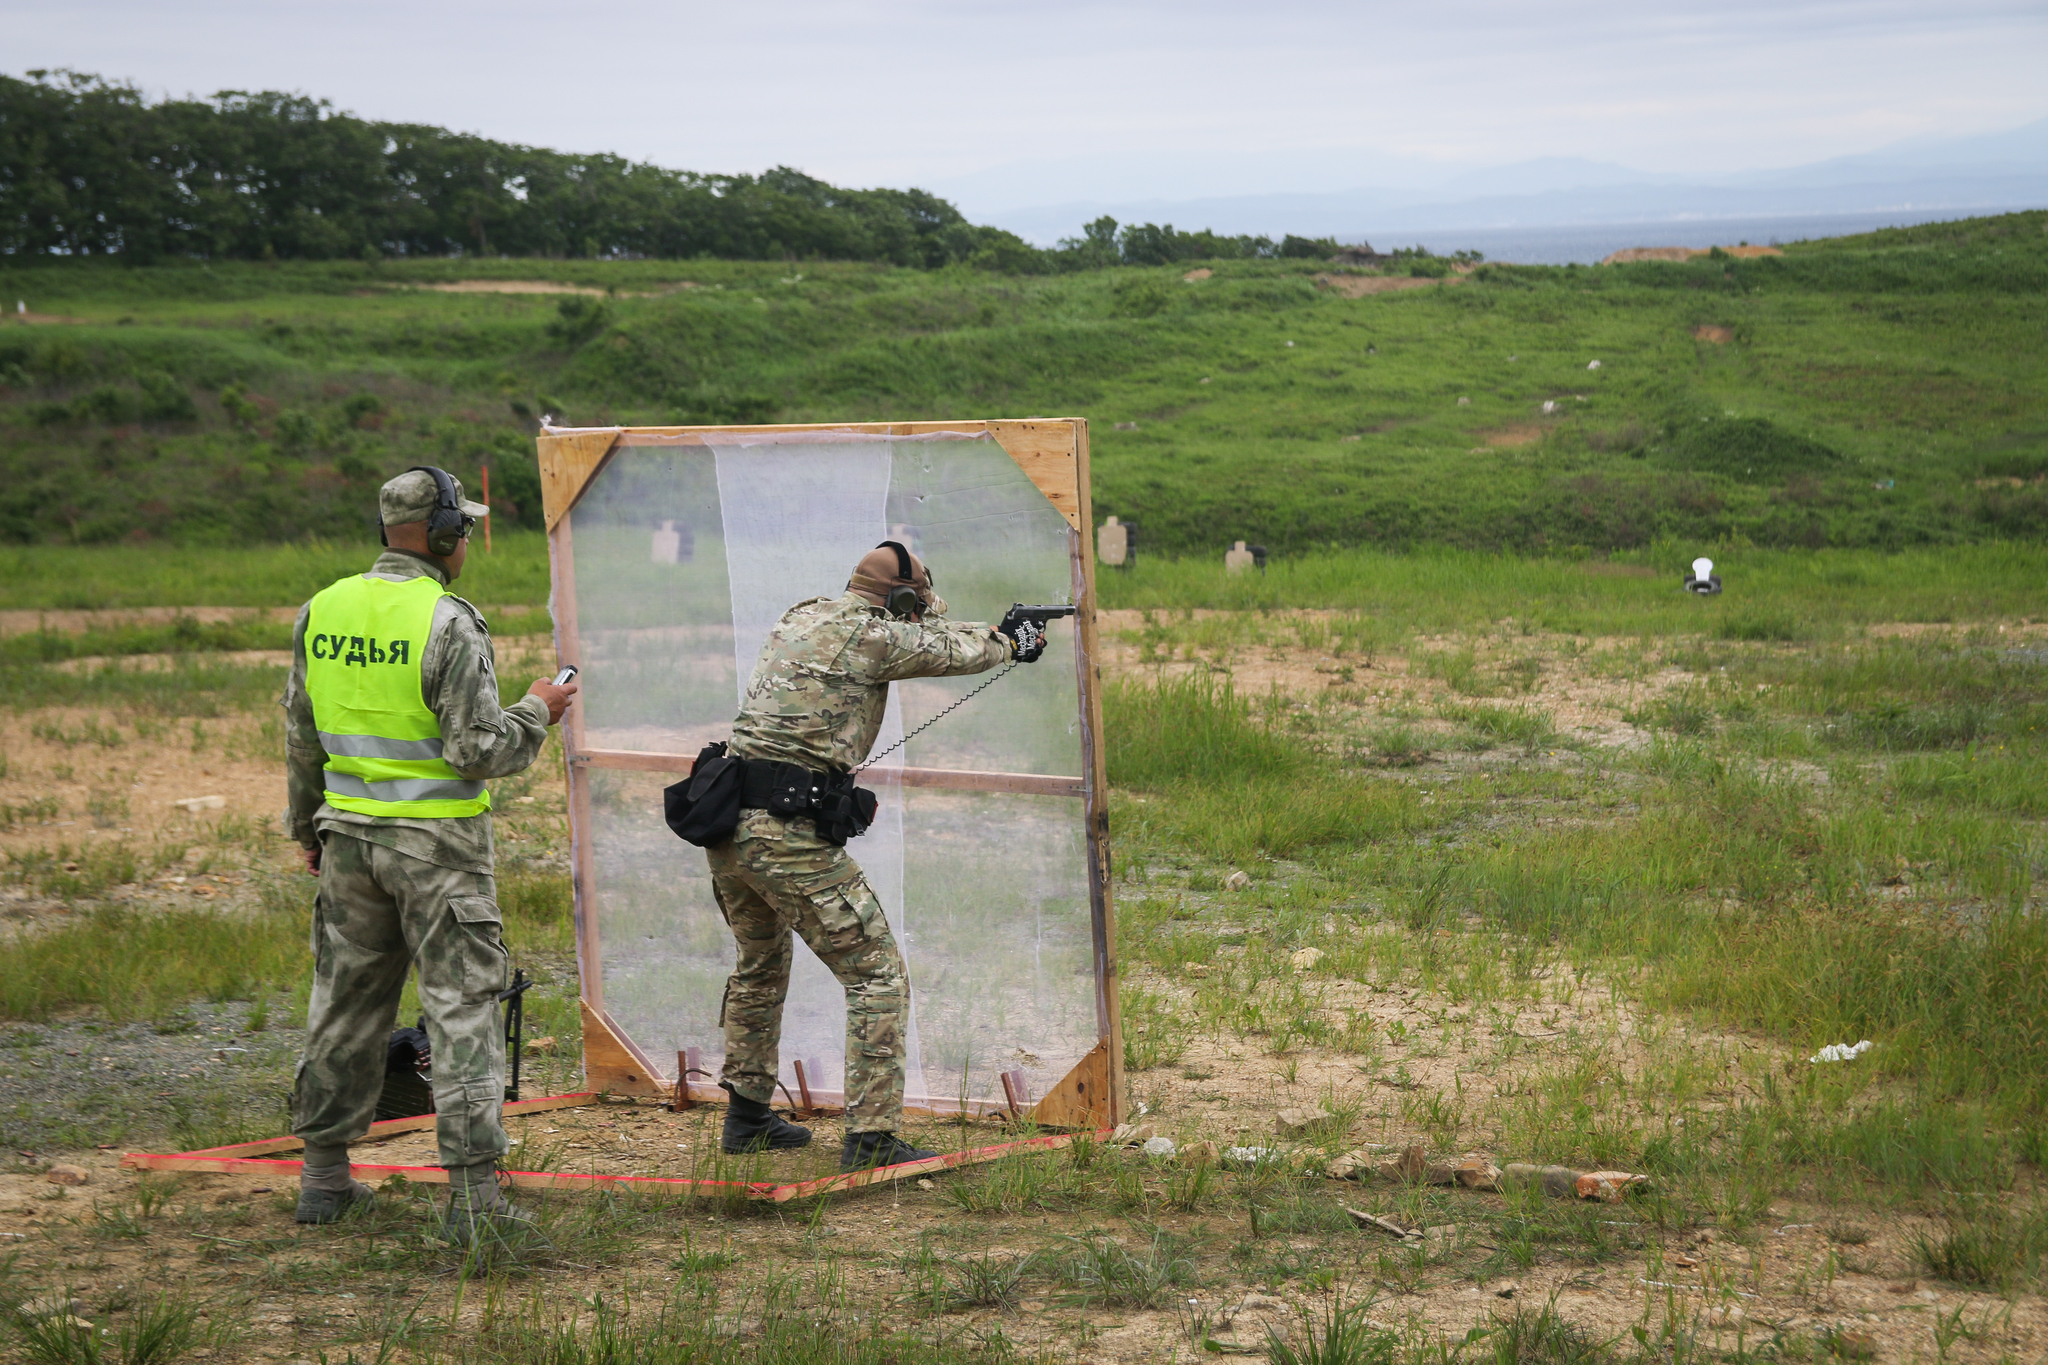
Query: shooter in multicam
[[811, 712]]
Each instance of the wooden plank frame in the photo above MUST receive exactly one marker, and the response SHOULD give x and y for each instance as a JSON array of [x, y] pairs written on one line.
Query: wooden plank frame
[[1053, 454], [256, 1159]]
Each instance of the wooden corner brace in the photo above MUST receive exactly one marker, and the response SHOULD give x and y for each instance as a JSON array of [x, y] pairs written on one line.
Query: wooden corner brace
[[1082, 1098], [612, 1064]]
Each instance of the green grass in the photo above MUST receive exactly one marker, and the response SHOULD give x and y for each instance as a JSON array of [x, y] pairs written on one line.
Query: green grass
[[136, 966], [62, 577], [1896, 898], [125, 965], [1876, 392], [1771, 595], [194, 685], [1238, 788]]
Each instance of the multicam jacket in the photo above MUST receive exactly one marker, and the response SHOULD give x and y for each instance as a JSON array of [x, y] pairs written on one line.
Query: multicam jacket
[[818, 692]]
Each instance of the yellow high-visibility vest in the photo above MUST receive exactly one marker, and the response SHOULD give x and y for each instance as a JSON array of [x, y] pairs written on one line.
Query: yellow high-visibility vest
[[364, 638]]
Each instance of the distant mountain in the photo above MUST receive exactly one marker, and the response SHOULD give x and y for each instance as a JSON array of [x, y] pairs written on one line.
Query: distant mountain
[[1990, 171]]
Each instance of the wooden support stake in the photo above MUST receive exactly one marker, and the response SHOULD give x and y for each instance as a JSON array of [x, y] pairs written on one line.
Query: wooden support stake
[[815, 1073], [803, 1088], [1016, 1093], [682, 1102]]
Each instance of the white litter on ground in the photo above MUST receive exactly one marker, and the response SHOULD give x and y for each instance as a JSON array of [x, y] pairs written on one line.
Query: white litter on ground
[[1841, 1052], [1159, 1146], [1249, 1156]]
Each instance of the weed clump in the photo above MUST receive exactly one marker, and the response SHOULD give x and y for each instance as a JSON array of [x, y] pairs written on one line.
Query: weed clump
[[1233, 787], [1748, 449], [1984, 1244]]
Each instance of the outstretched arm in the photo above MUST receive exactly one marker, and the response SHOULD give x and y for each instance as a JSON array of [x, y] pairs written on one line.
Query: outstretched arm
[[937, 649]]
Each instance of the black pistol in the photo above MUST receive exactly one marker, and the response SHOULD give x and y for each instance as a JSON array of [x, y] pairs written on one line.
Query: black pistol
[[1026, 625]]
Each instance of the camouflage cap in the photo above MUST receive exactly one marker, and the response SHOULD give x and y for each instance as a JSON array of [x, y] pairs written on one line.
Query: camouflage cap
[[412, 496]]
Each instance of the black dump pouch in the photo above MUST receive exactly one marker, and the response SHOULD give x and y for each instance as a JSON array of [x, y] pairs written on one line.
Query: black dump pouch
[[704, 808], [844, 811]]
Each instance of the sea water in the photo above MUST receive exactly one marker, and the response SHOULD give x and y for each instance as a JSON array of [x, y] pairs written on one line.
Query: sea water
[[1586, 243]]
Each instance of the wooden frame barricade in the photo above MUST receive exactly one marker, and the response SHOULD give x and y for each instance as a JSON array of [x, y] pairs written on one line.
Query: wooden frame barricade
[[1053, 455]]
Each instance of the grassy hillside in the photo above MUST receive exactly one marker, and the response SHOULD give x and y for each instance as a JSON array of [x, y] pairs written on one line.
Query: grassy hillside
[[1880, 392]]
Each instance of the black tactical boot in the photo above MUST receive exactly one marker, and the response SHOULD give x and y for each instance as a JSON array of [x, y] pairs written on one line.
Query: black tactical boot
[[865, 1151], [751, 1126]]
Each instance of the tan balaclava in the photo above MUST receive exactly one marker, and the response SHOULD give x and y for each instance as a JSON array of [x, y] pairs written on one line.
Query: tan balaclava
[[880, 574]]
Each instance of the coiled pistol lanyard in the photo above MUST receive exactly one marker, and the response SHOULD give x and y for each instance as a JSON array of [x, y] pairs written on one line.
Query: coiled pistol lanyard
[[877, 758]]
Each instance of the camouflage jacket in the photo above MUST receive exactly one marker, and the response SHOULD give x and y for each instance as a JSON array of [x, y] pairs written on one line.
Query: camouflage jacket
[[822, 682], [459, 680]]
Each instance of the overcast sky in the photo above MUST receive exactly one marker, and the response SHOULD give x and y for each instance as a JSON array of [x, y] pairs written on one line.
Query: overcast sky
[[1007, 103]]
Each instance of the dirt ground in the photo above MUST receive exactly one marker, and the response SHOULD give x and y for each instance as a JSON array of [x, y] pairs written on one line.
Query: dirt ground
[[1685, 253], [1583, 703], [1799, 1273], [541, 287], [1801, 1270], [75, 775], [1361, 286]]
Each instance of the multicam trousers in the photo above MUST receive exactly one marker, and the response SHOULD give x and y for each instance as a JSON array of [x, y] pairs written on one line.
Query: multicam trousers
[[380, 912], [776, 875]]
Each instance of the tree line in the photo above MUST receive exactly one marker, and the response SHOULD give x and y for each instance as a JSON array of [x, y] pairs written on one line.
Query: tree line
[[91, 167]]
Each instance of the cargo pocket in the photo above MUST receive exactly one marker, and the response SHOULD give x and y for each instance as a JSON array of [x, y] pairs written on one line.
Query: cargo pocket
[[479, 939], [849, 914]]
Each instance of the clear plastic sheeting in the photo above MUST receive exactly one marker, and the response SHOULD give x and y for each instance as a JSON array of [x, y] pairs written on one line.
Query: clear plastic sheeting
[[682, 558]]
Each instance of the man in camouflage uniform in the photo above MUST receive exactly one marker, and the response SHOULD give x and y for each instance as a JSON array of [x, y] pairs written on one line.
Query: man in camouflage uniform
[[816, 700], [392, 723]]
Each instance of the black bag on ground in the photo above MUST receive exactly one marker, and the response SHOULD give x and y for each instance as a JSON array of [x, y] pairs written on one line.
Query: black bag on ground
[[704, 808], [407, 1091]]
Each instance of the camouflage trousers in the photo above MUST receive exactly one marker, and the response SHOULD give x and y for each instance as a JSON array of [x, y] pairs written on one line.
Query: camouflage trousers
[[379, 913], [776, 875]]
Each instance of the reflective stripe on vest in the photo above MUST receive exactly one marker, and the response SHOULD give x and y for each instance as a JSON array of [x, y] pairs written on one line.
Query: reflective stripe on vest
[[364, 639]]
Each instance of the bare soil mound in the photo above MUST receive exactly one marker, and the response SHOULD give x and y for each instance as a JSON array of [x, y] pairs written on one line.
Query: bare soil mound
[[1358, 286], [1685, 253], [539, 287]]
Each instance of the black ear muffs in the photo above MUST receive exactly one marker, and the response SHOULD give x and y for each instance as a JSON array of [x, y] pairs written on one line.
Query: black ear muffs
[[447, 526], [906, 600]]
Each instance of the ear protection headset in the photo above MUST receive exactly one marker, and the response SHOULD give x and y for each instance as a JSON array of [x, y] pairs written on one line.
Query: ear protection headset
[[448, 524], [905, 599]]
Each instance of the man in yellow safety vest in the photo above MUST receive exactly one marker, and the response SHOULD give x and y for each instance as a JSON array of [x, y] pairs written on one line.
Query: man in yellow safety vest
[[393, 723]]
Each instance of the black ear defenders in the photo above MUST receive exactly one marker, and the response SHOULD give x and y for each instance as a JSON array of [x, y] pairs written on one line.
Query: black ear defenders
[[907, 599], [448, 524]]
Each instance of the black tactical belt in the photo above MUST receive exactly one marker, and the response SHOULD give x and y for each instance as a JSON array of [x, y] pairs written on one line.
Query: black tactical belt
[[782, 788], [704, 808]]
